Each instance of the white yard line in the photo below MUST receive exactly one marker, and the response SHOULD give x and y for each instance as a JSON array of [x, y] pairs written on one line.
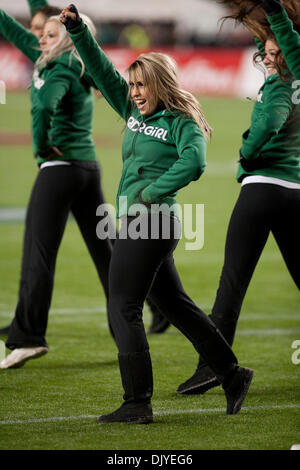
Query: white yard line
[[102, 309], [13, 214], [65, 311], [269, 332], [157, 413]]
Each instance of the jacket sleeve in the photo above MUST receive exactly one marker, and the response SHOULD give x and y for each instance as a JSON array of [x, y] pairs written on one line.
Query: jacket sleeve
[[288, 40], [15, 33], [34, 5], [191, 162], [277, 106], [107, 79], [50, 95]]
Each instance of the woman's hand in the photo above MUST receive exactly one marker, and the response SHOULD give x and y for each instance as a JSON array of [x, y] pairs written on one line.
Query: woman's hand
[[70, 17], [252, 164], [50, 154], [141, 201], [56, 151]]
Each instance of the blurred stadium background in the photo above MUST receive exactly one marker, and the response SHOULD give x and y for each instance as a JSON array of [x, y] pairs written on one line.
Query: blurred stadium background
[[52, 403], [212, 60]]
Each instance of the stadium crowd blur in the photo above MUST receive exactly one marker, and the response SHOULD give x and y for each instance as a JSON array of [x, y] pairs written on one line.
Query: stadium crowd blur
[[135, 24], [214, 57]]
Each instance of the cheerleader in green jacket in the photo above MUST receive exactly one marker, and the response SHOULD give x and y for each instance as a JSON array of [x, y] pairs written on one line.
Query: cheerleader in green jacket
[[40, 12], [269, 201], [163, 150], [68, 179]]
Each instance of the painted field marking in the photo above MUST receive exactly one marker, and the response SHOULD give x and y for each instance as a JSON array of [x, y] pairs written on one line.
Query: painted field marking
[[2, 351], [102, 309], [66, 311], [156, 413]]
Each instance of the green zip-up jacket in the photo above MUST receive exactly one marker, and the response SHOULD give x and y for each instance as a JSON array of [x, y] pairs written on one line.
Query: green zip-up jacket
[[35, 5], [161, 153], [288, 40], [62, 102], [274, 132]]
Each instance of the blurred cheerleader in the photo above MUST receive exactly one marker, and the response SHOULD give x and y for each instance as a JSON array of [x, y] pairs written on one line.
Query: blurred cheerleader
[[68, 179], [269, 201]]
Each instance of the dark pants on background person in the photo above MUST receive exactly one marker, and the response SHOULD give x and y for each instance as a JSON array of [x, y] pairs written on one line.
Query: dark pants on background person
[[58, 190], [260, 209], [138, 265]]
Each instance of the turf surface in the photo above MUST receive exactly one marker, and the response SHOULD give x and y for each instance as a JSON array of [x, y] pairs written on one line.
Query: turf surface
[[53, 402]]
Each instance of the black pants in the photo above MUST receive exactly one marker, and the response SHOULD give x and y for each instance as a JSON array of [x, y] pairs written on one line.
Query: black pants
[[58, 190], [260, 209], [138, 265]]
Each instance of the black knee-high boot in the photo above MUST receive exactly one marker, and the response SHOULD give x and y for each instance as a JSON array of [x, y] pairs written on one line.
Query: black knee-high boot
[[204, 378], [137, 381]]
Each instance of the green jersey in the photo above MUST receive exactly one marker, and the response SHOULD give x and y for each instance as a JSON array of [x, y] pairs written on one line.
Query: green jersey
[[161, 153], [62, 100], [274, 132]]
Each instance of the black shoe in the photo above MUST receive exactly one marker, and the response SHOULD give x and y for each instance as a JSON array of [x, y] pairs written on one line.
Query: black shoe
[[135, 413], [159, 324], [203, 379], [237, 389], [4, 331]]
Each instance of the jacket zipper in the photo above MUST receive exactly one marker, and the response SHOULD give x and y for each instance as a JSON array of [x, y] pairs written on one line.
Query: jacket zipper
[[133, 154], [135, 137]]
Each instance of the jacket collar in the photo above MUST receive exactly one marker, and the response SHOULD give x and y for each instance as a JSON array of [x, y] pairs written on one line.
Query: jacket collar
[[157, 114], [272, 78]]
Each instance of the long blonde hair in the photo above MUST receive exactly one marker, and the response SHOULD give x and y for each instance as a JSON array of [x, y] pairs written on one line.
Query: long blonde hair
[[64, 44], [160, 75]]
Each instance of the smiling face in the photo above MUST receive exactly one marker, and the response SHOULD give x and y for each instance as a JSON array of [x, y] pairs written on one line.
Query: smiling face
[[141, 94], [37, 24], [271, 50], [50, 37]]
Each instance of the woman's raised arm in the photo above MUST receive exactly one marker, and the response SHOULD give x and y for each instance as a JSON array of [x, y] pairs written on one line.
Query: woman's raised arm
[[107, 79], [23, 39]]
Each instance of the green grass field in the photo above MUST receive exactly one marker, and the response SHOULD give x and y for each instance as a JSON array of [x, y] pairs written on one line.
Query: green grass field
[[53, 402]]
